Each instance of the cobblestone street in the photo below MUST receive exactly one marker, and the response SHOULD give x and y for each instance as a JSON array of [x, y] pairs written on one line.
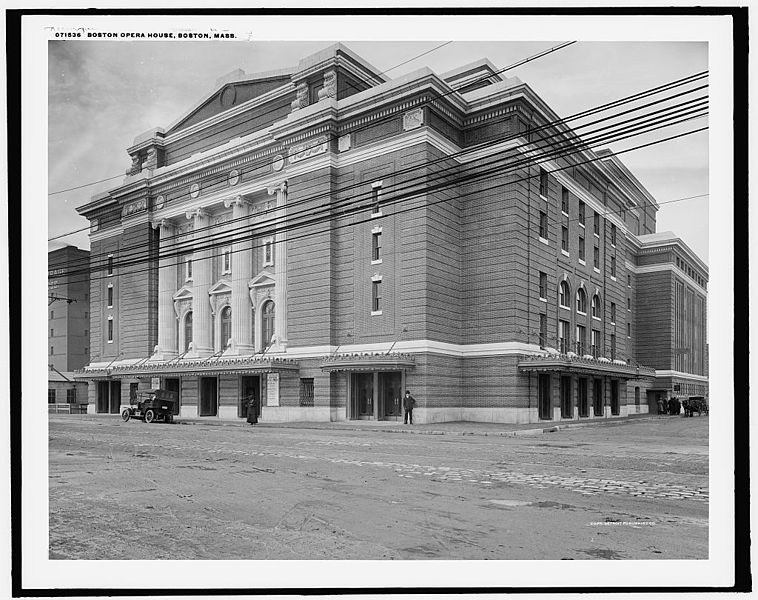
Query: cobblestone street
[[120, 490]]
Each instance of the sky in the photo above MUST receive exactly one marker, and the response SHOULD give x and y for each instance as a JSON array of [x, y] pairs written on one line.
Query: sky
[[102, 94]]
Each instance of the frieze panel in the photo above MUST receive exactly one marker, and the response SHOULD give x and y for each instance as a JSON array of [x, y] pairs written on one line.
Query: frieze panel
[[134, 207], [308, 149]]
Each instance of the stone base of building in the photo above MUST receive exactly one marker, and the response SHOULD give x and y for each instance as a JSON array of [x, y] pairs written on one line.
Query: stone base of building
[[283, 414]]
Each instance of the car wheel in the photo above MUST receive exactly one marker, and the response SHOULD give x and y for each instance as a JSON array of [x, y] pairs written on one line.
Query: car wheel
[[149, 415], [126, 415]]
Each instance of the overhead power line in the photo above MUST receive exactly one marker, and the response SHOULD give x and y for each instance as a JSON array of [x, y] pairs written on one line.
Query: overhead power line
[[628, 99]]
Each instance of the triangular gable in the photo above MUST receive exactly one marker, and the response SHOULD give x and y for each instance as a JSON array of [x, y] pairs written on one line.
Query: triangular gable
[[222, 287], [262, 279], [228, 96], [183, 294]]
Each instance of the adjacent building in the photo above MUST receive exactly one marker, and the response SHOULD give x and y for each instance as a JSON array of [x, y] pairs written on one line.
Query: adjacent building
[[68, 323], [322, 238]]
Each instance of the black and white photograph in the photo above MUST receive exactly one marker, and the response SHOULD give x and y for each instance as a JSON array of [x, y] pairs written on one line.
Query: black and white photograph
[[379, 301]]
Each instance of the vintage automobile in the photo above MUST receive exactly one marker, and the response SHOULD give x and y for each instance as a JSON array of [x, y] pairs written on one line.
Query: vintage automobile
[[151, 405]]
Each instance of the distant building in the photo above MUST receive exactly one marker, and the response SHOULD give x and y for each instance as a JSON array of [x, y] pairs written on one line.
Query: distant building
[[411, 259], [68, 323]]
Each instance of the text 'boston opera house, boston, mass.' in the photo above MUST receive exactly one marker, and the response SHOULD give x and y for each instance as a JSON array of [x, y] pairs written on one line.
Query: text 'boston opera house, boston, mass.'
[[323, 238]]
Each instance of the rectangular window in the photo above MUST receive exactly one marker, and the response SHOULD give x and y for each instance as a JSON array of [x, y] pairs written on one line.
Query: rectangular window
[[227, 266], [188, 268], [582, 209], [613, 266], [110, 296], [313, 92], [543, 285], [581, 340], [52, 333], [628, 329], [110, 330], [376, 296], [52, 314], [86, 296], [71, 396], [628, 280], [564, 239], [543, 183], [376, 246], [51, 351], [613, 312], [376, 193], [110, 265], [581, 249], [268, 253], [613, 234], [543, 225], [543, 330], [133, 388], [306, 392], [86, 332], [597, 224], [50, 396], [563, 336], [86, 350], [86, 314], [613, 346], [628, 303], [564, 201], [595, 350], [596, 257]]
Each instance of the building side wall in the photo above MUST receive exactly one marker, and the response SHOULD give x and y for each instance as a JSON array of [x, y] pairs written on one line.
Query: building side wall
[[654, 320]]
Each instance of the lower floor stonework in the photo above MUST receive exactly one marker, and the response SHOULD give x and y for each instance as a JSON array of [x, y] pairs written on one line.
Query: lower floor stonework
[[498, 389]]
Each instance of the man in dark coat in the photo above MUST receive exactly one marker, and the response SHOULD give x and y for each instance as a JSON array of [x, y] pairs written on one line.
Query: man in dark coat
[[252, 411], [408, 403]]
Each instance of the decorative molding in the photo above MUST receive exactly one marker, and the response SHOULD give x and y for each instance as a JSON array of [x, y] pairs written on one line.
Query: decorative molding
[[307, 149], [194, 190], [134, 207], [277, 163], [330, 85], [344, 142], [196, 212], [277, 187], [413, 119], [236, 201], [301, 96], [234, 177]]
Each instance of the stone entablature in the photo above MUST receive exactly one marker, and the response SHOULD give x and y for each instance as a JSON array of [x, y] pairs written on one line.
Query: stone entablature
[[185, 366]]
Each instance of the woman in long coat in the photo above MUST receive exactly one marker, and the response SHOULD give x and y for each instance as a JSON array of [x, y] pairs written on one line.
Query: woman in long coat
[[252, 411]]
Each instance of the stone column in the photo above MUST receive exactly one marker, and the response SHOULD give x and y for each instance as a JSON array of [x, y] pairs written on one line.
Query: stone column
[[280, 267], [166, 289], [202, 345], [242, 270]]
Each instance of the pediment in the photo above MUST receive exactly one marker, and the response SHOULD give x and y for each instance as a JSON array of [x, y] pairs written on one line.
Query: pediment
[[184, 293], [222, 287], [262, 279], [227, 96]]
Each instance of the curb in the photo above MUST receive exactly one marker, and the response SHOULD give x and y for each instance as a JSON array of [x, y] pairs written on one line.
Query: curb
[[513, 433]]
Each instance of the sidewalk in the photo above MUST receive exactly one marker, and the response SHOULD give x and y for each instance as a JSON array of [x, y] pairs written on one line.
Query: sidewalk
[[450, 428]]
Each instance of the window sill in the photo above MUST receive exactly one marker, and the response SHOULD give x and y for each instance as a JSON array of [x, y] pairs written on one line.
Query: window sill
[[377, 214], [110, 341], [582, 262], [597, 235], [564, 213], [581, 225], [109, 306], [579, 312], [613, 322], [189, 279], [613, 245], [543, 197], [544, 241], [564, 307], [596, 269], [564, 252], [543, 299], [376, 262], [226, 272], [613, 278], [268, 264], [376, 313]]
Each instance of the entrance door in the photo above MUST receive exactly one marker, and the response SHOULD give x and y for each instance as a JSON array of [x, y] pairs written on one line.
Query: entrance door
[[250, 387], [545, 410], [361, 394], [115, 397], [567, 406], [208, 396], [597, 397], [390, 394], [103, 393], [582, 390], [615, 408], [173, 385]]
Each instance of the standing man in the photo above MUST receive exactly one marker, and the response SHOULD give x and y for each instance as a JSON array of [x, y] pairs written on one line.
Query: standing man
[[408, 404]]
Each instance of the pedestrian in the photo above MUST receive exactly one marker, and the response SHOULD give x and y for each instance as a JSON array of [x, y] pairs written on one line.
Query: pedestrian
[[408, 403], [252, 411]]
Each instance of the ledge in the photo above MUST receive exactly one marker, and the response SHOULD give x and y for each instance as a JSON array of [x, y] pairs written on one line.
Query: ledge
[[590, 366], [368, 361]]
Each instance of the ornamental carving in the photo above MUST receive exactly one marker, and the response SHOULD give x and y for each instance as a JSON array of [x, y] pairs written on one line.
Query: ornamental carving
[[234, 177], [413, 119], [134, 207], [301, 96], [181, 306], [219, 301], [312, 147], [330, 86], [344, 142]]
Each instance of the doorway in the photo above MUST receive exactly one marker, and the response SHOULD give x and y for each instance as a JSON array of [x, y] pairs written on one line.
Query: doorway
[[361, 395], [543, 393], [250, 387], [173, 385], [615, 406], [582, 392], [597, 397], [567, 406], [208, 396], [390, 394], [109, 397]]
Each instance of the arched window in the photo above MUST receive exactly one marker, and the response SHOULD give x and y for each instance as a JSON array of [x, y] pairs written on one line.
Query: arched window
[[581, 301], [564, 295], [187, 330], [226, 326], [267, 322], [596, 306]]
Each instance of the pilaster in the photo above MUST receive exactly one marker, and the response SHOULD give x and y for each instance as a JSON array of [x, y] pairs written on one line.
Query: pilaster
[[280, 267], [202, 344], [242, 270]]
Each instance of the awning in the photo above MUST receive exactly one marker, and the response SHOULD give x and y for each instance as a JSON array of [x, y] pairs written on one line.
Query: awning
[[584, 366], [368, 361], [238, 365]]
